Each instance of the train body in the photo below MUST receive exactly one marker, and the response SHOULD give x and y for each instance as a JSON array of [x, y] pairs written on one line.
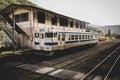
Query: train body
[[47, 41]]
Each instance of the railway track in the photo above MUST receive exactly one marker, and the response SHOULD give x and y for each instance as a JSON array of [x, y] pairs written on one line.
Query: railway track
[[57, 63], [111, 59], [78, 57]]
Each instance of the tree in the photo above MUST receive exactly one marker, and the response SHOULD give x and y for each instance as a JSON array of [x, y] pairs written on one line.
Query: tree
[[109, 32]]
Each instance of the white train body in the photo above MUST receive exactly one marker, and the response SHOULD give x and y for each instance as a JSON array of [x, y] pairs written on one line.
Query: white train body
[[48, 40]]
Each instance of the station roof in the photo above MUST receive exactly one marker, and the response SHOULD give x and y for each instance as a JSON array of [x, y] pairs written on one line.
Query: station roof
[[11, 7]]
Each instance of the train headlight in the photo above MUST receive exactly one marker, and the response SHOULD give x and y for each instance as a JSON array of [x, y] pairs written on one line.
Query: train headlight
[[47, 47]]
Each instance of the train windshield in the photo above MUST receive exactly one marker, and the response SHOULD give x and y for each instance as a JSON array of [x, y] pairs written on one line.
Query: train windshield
[[36, 35], [49, 35]]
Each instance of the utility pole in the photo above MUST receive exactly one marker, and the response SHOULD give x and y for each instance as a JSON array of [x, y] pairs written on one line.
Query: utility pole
[[14, 41]]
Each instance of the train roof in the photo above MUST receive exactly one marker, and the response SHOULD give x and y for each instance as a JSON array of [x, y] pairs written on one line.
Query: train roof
[[66, 31], [10, 8]]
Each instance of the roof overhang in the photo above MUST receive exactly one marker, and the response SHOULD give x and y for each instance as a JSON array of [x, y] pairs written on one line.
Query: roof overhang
[[9, 9]]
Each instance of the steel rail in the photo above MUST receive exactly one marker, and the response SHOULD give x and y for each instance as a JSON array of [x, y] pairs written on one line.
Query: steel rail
[[112, 68], [99, 64]]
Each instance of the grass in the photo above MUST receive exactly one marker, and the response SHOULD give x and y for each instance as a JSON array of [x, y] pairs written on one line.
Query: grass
[[9, 52]]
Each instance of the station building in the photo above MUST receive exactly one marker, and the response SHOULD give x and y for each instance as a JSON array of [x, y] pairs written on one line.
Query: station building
[[28, 19]]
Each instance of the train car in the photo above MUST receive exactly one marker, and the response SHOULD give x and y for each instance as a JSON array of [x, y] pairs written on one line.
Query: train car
[[47, 41]]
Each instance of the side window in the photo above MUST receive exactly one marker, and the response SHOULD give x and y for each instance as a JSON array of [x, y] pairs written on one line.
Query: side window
[[71, 24], [22, 17], [55, 34], [36, 35], [63, 37], [59, 37], [91, 36], [80, 37], [69, 37], [41, 17], [76, 37], [85, 36], [49, 35], [72, 37], [41, 36], [54, 20], [88, 36]]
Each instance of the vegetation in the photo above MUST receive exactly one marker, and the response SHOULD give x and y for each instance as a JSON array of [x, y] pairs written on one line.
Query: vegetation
[[5, 3], [94, 29], [109, 34]]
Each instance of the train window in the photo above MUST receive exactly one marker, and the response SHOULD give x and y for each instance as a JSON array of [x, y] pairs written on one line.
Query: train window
[[55, 34], [42, 36], [85, 36], [59, 37], [72, 37], [80, 37], [91, 36], [76, 37], [88, 36], [36, 35], [54, 20], [69, 37], [63, 37], [41, 17], [48, 35]]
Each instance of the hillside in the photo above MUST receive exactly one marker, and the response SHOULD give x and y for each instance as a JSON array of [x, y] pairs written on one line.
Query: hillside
[[5, 3], [114, 29]]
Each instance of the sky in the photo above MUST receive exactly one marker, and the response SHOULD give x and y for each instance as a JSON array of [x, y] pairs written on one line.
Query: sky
[[96, 12]]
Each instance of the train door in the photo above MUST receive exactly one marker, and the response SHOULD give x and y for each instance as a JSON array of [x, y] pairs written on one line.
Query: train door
[[41, 41], [37, 41], [61, 41]]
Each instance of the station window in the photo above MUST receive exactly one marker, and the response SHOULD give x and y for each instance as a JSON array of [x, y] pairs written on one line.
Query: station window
[[22, 17], [36, 35], [41, 17], [63, 22], [48, 35], [71, 24], [80, 25], [76, 24], [83, 25], [54, 20]]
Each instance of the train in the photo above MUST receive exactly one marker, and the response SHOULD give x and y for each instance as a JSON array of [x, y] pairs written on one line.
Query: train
[[48, 41]]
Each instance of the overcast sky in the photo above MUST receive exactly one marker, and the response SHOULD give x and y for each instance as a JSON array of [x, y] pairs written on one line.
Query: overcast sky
[[97, 12]]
